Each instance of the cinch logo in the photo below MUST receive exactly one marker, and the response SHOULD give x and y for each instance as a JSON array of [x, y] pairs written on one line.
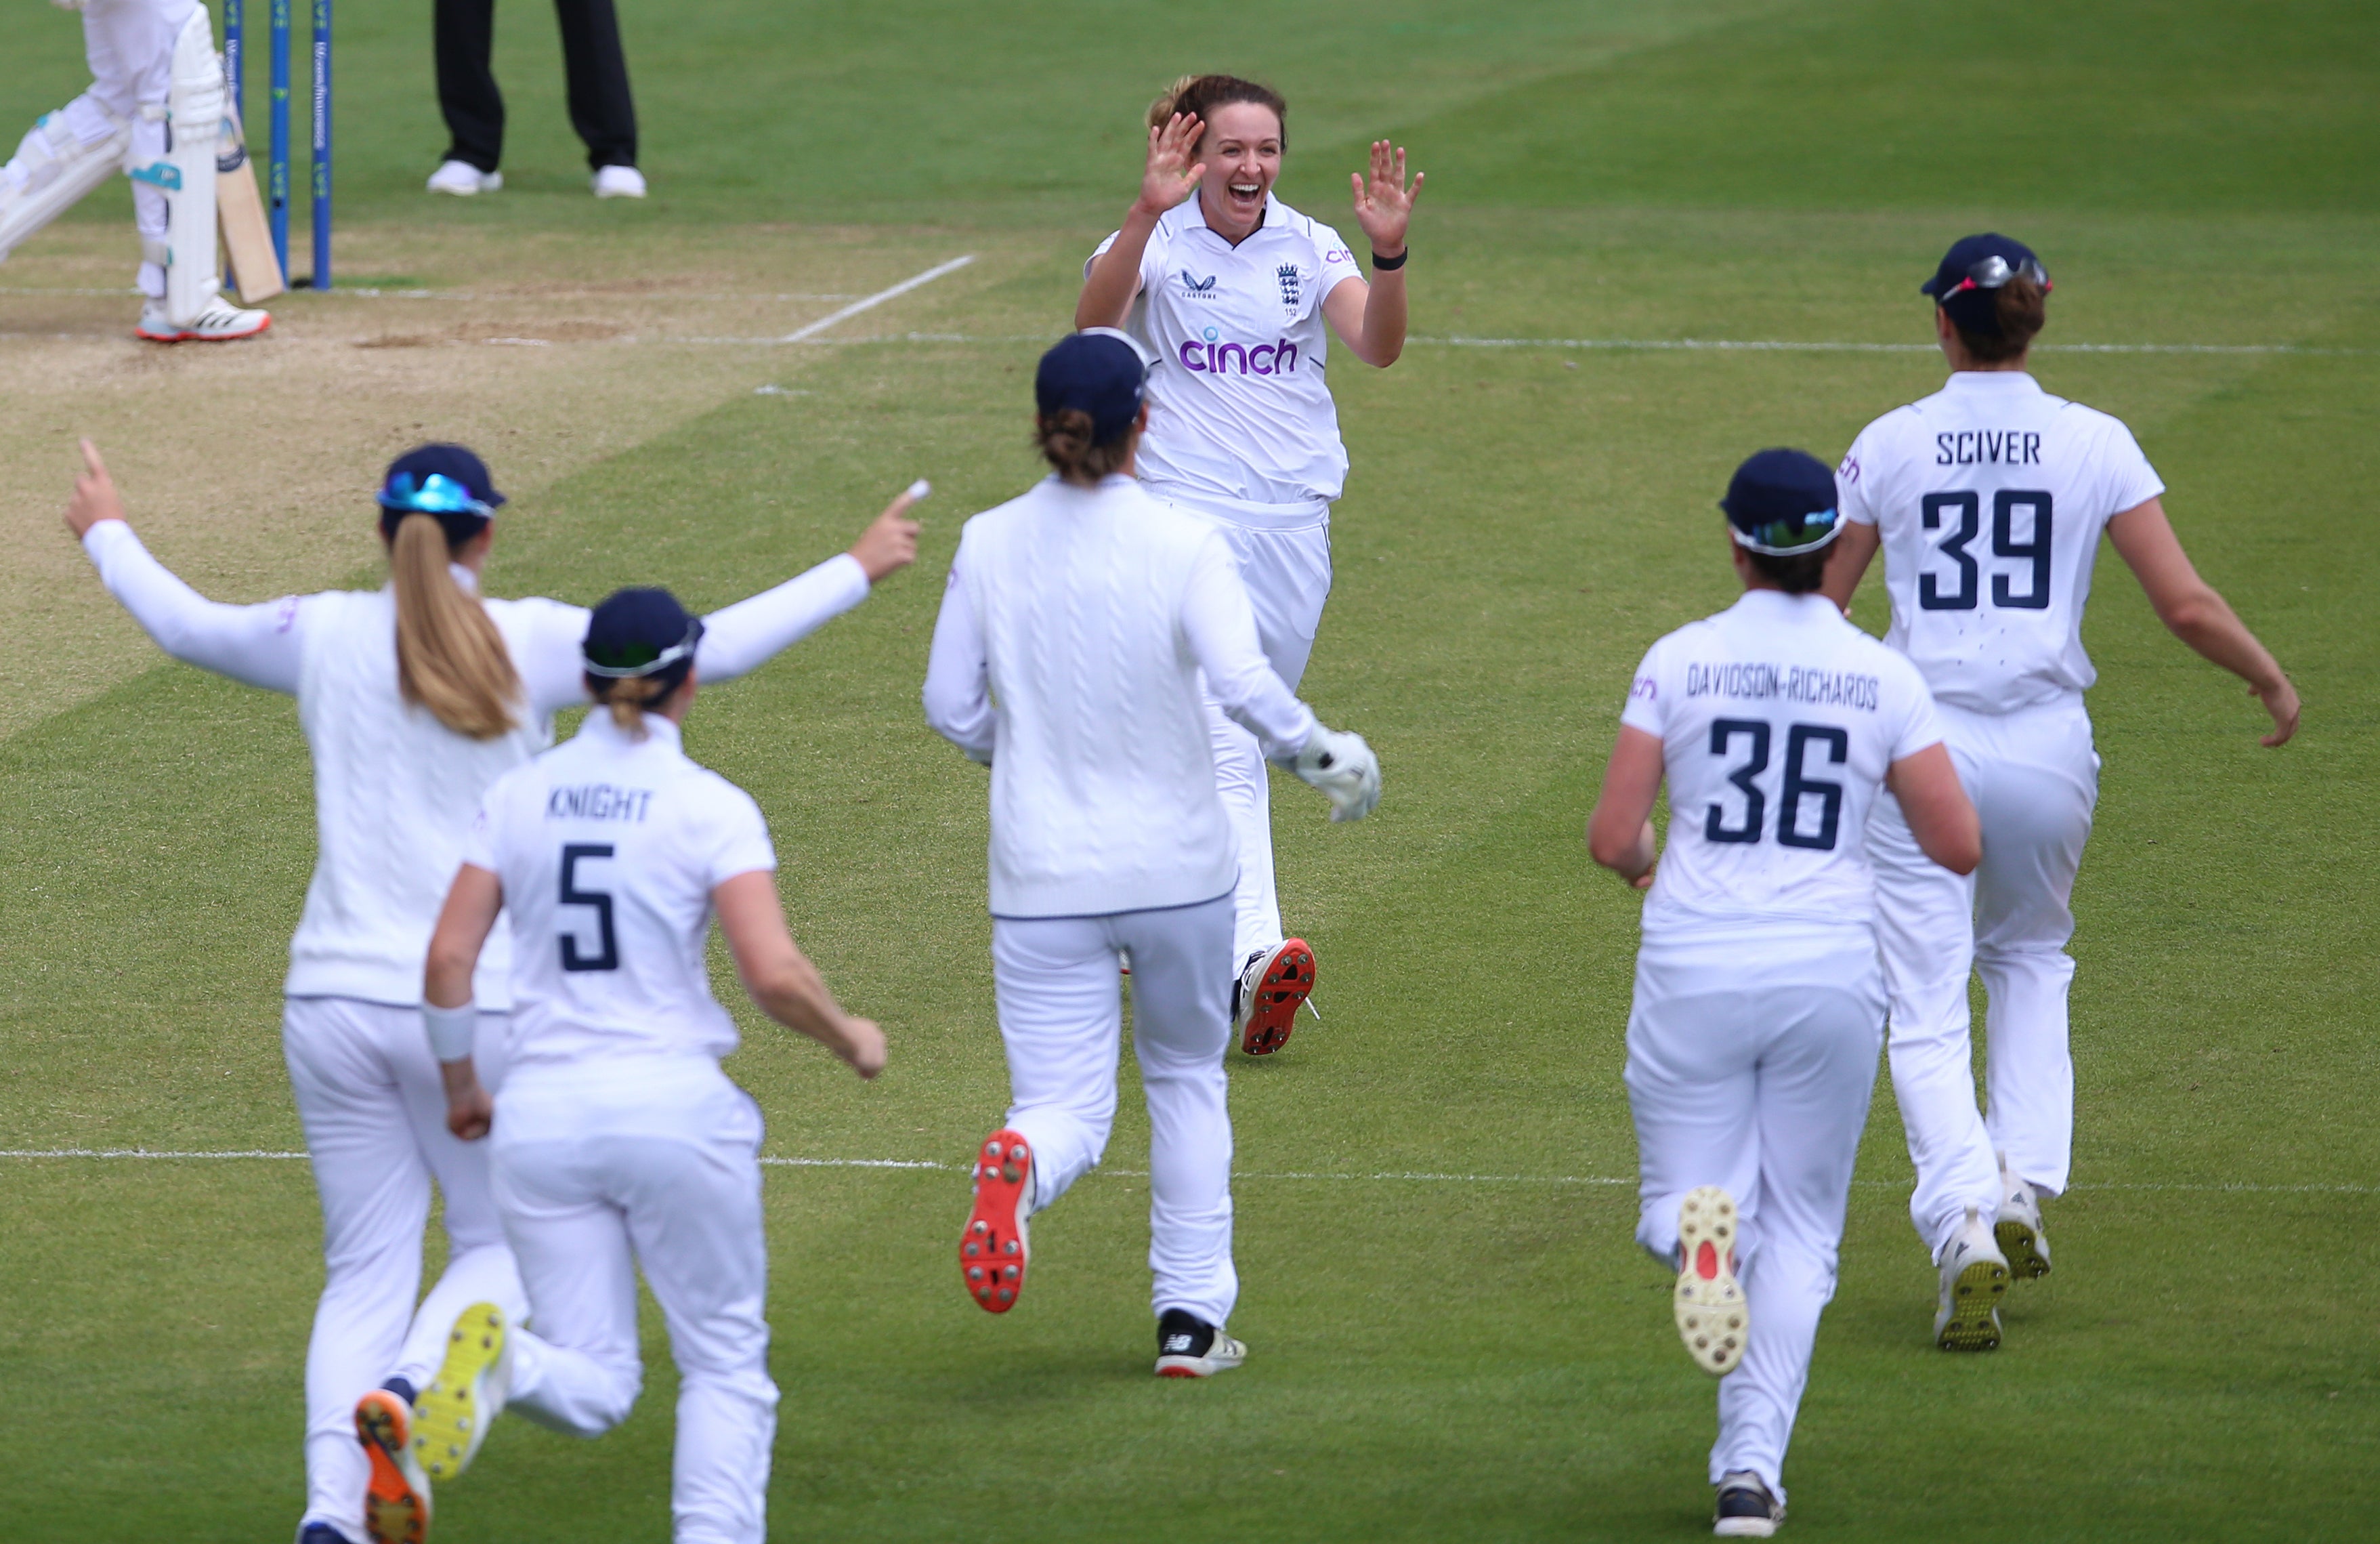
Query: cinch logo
[[1207, 355]]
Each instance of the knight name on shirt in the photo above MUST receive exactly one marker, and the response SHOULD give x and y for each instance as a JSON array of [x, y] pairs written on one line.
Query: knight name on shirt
[[1833, 689], [598, 801], [1988, 448]]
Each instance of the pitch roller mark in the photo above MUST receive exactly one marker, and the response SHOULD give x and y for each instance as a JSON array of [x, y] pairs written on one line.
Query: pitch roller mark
[[1389, 1177]]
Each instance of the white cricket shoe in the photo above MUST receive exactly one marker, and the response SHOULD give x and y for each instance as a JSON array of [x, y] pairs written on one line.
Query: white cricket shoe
[[1974, 1279], [464, 180], [396, 1497], [1713, 1319], [2018, 1232], [452, 1416], [1187, 1346], [619, 182], [218, 321], [1747, 1508]]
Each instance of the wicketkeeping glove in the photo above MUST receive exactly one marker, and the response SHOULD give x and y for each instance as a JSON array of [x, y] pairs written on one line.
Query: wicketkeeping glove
[[1343, 767]]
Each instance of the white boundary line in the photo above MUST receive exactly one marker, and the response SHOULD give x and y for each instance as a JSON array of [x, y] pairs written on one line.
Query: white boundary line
[[803, 334], [1405, 1176], [1615, 345]]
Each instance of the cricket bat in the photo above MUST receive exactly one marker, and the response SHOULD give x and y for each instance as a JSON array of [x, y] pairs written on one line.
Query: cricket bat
[[239, 210]]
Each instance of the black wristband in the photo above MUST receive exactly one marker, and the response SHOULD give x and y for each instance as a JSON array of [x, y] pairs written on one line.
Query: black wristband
[[1389, 265]]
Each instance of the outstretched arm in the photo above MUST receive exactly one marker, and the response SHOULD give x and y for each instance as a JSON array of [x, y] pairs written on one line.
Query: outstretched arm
[[1170, 175], [1370, 318], [1221, 628], [256, 644], [781, 978], [1619, 832], [2193, 613]]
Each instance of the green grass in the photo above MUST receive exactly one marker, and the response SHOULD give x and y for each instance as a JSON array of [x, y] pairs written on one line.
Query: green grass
[[1430, 1361]]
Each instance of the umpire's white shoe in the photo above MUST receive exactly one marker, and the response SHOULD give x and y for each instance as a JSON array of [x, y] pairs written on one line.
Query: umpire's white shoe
[[1974, 1279], [997, 1247], [452, 1416], [1187, 1346], [1747, 1508], [619, 182], [1274, 983], [1713, 1319], [219, 321], [396, 1496], [463, 180], [2018, 1232]]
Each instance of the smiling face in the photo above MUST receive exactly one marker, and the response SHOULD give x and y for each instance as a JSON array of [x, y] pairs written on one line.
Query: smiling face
[[1241, 150]]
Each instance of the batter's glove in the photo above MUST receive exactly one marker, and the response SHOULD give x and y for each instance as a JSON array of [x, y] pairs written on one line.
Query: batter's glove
[[1343, 767]]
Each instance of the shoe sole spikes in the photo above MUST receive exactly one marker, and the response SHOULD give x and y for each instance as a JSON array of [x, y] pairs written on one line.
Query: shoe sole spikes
[[993, 1252], [1713, 1319]]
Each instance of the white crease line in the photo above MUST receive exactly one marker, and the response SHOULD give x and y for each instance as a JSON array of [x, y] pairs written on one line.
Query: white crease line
[[1773, 345], [369, 294], [1417, 1176], [803, 334]]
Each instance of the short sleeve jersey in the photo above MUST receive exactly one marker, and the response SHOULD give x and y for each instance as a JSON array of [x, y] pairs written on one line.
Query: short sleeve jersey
[[608, 848], [1990, 497], [1778, 721], [1239, 405]]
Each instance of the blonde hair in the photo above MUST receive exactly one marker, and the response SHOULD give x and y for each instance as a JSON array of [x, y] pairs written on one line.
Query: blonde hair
[[450, 659], [629, 695]]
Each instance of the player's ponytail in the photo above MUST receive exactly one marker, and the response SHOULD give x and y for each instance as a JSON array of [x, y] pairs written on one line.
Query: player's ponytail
[[2020, 310], [629, 697], [1198, 96], [1064, 440], [450, 659]]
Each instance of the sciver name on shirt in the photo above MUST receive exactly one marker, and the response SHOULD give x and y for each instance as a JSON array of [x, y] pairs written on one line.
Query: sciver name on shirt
[[1987, 447], [598, 801]]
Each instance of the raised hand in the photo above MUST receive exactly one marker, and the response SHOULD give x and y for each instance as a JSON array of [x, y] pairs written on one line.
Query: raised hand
[[890, 542], [1173, 167], [95, 498], [1384, 205]]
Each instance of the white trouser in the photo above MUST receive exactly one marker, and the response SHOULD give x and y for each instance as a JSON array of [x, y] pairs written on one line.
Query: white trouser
[[1751, 1057], [600, 1170], [2035, 779], [374, 1112], [1061, 1018], [1284, 552], [129, 46]]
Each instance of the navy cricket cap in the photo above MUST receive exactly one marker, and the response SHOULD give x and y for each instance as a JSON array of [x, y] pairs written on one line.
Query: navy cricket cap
[[1099, 370], [440, 480], [1781, 503], [1967, 282], [638, 632]]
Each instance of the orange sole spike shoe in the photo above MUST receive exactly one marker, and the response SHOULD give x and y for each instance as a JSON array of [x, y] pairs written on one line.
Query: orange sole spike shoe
[[994, 1251], [396, 1497], [1273, 986]]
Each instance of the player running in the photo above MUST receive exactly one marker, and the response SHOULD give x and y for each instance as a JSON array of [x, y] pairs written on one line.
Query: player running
[[1230, 287], [620, 1142], [1989, 498], [154, 70], [1753, 1037], [1068, 657], [413, 698]]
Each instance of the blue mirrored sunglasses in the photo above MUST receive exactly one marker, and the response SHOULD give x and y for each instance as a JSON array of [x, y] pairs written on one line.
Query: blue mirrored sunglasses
[[1803, 533], [643, 659], [435, 494]]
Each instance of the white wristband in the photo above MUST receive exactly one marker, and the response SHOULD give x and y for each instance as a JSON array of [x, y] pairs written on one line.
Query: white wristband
[[450, 1030]]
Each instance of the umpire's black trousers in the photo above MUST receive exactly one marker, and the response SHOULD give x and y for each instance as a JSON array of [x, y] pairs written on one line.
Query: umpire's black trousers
[[600, 109]]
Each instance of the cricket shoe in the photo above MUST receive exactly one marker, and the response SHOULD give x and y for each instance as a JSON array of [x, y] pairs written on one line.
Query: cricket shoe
[[2018, 1232], [218, 321], [1974, 1279], [452, 1418], [1747, 1509], [1713, 1319], [619, 182], [1187, 1346], [994, 1250], [396, 1497], [1274, 983], [463, 180]]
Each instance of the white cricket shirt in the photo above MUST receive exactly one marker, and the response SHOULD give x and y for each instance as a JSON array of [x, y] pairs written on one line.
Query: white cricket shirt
[[1239, 406], [394, 790], [1990, 497], [608, 848], [1778, 721], [1074, 631]]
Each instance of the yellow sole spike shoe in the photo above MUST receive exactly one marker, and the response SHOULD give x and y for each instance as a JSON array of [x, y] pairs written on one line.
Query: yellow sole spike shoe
[[1713, 1319], [452, 1416]]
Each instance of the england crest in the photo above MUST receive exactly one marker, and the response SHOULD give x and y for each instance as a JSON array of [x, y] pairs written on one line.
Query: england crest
[[1287, 273]]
